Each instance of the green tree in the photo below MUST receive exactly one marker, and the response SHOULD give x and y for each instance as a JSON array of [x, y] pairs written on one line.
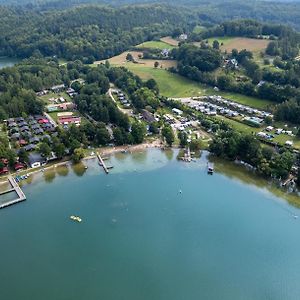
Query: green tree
[[168, 134], [78, 155], [23, 155], [182, 135], [59, 150], [44, 149], [138, 132], [216, 44]]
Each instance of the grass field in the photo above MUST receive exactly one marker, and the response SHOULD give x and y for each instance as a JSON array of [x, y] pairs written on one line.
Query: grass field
[[155, 44], [239, 43], [120, 60], [173, 85], [46, 98], [198, 29], [169, 40]]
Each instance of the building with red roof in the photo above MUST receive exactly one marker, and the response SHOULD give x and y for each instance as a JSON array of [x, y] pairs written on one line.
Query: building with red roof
[[66, 120], [3, 170], [19, 166]]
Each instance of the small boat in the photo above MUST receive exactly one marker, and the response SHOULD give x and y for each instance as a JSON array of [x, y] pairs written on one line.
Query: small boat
[[76, 218], [210, 169]]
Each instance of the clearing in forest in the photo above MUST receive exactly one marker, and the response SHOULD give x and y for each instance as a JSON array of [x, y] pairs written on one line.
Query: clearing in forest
[[120, 60], [169, 40], [241, 43], [155, 45]]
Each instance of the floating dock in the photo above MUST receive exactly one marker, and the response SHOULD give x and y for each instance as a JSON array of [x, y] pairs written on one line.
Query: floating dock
[[102, 163], [14, 188]]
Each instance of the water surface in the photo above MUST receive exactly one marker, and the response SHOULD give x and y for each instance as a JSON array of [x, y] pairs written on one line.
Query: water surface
[[8, 61], [142, 239]]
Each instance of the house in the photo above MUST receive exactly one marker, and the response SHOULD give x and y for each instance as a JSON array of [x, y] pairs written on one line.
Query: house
[[183, 37], [19, 120], [177, 111], [22, 142], [35, 126], [165, 52], [147, 116], [43, 121], [32, 122], [12, 124], [36, 160], [22, 124], [38, 131], [3, 170], [58, 88], [66, 120], [30, 147], [34, 140], [25, 128], [289, 143], [15, 136], [19, 166], [269, 128]]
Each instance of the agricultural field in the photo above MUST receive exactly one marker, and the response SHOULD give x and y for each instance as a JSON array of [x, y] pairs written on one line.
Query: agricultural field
[[120, 60], [240, 43], [156, 45], [170, 41]]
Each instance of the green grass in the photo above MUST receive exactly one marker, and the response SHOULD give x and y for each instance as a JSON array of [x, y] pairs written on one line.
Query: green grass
[[156, 45], [221, 39], [170, 85], [198, 29], [174, 85], [46, 98]]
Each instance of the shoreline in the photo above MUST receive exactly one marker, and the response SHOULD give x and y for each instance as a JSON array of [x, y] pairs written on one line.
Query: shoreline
[[239, 171], [105, 151]]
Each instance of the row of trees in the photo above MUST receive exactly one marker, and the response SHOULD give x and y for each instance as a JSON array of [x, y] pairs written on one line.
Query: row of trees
[[233, 145]]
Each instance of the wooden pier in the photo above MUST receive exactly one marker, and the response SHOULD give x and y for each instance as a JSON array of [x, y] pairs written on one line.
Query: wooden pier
[[102, 163], [14, 188]]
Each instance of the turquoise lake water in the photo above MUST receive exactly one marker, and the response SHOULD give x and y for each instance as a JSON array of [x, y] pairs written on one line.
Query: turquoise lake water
[[142, 239]]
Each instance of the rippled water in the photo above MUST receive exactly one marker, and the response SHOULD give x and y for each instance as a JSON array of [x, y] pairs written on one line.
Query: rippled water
[[140, 238]]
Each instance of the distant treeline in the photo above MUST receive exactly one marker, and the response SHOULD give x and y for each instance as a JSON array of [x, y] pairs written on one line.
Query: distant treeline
[[87, 33]]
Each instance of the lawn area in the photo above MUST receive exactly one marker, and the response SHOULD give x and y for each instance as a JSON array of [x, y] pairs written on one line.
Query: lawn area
[[198, 29], [221, 39], [46, 98], [170, 85], [239, 126], [246, 100], [174, 85], [155, 44]]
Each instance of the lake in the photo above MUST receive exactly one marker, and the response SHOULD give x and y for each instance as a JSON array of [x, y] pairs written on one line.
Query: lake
[[143, 239], [8, 61]]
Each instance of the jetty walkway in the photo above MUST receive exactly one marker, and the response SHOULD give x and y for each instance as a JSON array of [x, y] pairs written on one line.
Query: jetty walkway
[[102, 163], [14, 188]]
